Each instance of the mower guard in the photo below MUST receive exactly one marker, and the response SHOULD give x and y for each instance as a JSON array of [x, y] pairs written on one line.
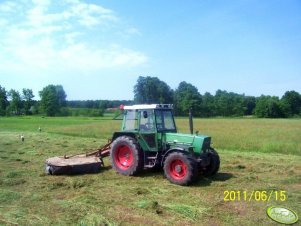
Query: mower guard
[[78, 164]]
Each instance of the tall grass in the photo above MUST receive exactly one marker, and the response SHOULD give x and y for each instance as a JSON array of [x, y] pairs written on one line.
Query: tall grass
[[259, 135], [254, 135]]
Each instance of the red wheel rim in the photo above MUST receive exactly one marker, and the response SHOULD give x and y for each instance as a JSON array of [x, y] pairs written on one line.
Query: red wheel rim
[[177, 169], [123, 157]]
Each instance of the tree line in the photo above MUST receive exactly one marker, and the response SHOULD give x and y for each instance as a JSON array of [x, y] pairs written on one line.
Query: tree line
[[226, 104], [149, 90], [53, 103], [103, 104]]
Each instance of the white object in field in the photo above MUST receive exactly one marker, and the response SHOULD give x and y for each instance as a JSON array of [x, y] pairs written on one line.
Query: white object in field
[[22, 138]]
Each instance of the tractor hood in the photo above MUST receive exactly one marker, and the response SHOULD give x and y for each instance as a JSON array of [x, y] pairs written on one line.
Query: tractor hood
[[198, 142]]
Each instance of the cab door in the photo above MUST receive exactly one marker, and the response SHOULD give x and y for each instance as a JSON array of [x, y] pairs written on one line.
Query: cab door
[[147, 129]]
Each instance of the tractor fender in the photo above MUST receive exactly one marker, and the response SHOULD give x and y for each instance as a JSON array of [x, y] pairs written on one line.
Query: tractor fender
[[182, 150], [119, 134]]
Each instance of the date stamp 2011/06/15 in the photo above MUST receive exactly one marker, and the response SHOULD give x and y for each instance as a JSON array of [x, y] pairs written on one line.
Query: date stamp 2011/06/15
[[258, 196]]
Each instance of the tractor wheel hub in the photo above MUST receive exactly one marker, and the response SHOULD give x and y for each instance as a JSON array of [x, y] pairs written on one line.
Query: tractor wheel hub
[[178, 168]]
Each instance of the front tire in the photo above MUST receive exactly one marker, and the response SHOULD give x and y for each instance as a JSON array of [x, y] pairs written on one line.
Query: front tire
[[126, 156], [214, 165], [180, 168]]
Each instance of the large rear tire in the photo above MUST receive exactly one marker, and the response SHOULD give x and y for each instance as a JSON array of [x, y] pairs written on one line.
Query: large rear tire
[[126, 156], [180, 168], [214, 165]]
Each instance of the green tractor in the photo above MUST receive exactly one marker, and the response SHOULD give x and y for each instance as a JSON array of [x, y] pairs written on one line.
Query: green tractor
[[149, 139]]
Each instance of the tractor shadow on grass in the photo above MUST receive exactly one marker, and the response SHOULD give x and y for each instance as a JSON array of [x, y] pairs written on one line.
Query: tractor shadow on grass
[[153, 172], [200, 182], [219, 177]]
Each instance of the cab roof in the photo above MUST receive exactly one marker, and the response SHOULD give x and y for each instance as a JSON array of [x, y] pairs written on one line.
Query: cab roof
[[148, 106]]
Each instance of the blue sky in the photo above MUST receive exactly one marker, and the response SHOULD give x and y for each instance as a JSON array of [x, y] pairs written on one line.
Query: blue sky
[[97, 49]]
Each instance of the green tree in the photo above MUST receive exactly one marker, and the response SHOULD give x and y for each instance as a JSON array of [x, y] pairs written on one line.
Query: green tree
[[103, 104], [221, 103], [250, 103], [3, 101], [28, 100], [15, 104], [268, 107], [151, 90], [53, 98], [230, 104], [208, 106], [35, 108], [291, 103], [61, 95], [187, 96]]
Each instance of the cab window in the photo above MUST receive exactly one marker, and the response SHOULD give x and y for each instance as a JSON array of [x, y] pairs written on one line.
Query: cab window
[[131, 120], [146, 121], [164, 120]]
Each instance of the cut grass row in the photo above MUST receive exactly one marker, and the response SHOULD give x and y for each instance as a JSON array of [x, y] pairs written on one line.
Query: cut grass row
[[29, 197]]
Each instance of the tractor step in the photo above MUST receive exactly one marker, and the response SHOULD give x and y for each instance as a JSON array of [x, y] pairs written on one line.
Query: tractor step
[[148, 166], [155, 157]]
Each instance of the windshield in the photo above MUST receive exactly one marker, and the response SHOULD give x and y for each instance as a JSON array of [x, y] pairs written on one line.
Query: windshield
[[147, 121], [165, 121], [130, 122]]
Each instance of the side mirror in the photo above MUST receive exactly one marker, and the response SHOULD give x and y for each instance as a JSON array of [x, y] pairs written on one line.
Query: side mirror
[[144, 114]]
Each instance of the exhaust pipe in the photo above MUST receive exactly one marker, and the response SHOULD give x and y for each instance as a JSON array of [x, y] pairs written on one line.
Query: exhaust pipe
[[190, 121]]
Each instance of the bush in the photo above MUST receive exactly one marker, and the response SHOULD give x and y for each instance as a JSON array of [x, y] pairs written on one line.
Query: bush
[[64, 111], [90, 112]]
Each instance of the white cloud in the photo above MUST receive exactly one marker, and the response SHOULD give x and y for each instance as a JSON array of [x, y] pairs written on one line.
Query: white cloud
[[71, 37], [99, 58], [133, 31], [3, 22], [8, 7], [43, 35], [91, 14]]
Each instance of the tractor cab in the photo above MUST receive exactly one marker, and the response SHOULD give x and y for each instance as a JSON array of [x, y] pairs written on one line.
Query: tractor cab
[[149, 118], [150, 122]]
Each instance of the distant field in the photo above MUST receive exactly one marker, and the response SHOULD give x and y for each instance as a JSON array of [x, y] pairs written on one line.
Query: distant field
[[256, 154], [259, 135]]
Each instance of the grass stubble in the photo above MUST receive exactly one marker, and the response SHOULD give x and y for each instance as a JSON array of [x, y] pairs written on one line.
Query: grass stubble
[[257, 155]]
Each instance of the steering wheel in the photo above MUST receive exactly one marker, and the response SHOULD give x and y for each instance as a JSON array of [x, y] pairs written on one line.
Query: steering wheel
[[149, 125], [160, 126]]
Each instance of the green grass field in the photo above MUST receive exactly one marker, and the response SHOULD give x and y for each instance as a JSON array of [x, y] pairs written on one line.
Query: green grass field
[[256, 155]]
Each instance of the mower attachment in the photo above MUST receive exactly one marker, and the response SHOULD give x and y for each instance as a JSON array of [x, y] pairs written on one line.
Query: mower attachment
[[78, 164]]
